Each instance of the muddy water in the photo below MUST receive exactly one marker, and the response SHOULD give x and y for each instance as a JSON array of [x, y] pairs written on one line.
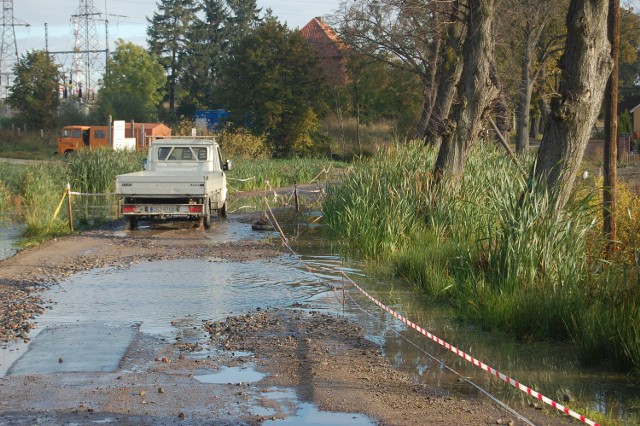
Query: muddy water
[[550, 368], [9, 234], [172, 298]]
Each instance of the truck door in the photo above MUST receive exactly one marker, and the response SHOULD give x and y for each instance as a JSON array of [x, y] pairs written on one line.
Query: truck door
[[85, 137]]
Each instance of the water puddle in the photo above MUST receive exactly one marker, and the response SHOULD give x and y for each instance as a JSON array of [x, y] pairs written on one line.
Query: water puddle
[[305, 413], [9, 234], [308, 414], [176, 296], [232, 375]]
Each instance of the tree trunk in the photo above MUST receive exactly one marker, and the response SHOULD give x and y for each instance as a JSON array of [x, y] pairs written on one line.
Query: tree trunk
[[534, 129], [450, 70], [430, 92], [545, 112], [611, 131], [476, 88], [503, 115], [534, 26], [586, 65]]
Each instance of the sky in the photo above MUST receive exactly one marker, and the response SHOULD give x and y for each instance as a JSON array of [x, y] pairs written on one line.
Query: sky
[[127, 19]]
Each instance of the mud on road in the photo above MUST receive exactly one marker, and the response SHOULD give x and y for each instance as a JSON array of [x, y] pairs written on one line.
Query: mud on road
[[300, 356]]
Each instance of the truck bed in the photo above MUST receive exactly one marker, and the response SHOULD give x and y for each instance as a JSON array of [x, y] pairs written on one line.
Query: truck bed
[[166, 184]]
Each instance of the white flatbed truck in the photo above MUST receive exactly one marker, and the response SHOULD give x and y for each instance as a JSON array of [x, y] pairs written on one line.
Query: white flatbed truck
[[183, 177]]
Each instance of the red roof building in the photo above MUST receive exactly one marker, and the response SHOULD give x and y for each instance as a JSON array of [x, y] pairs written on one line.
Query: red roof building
[[328, 49]]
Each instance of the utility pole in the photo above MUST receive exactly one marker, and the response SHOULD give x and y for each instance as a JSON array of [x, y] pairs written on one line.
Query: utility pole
[[8, 45], [611, 131]]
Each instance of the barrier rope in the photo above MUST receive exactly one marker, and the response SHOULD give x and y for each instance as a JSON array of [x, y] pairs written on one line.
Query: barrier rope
[[445, 366], [448, 346], [242, 180], [473, 360], [89, 194]]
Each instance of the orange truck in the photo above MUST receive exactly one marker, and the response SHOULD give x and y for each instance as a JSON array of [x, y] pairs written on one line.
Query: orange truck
[[138, 135]]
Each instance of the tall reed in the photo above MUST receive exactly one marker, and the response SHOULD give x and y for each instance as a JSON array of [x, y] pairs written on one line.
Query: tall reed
[[378, 208], [94, 170], [493, 247]]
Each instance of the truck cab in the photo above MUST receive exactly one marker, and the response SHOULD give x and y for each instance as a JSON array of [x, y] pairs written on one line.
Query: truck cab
[[73, 138]]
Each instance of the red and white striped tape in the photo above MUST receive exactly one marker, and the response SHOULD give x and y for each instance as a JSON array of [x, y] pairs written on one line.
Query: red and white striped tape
[[474, 361], [451, 348]]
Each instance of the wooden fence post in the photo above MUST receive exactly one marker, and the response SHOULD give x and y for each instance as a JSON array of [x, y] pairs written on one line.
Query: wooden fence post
[[69, 206]]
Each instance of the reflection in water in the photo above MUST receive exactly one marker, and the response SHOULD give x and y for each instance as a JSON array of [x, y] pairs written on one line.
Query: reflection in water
[[550, 368], [9, 234]]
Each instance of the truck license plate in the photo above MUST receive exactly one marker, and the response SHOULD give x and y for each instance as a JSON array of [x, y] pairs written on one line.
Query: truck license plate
[[161, 209]]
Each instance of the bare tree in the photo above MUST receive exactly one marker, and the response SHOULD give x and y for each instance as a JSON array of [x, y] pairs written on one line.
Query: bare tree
[[476, 90], [611, 130], [421, 36], [536, 14], [447, 76], [586, 66]]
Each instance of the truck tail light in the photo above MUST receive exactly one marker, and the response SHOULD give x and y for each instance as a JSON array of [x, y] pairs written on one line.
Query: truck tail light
[[195, 209], [128, 209]]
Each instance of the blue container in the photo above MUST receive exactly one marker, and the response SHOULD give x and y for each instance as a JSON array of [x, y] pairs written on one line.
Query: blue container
[[211, 120]]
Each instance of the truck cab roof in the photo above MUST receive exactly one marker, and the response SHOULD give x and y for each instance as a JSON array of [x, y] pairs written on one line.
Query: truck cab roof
[[183, 141]]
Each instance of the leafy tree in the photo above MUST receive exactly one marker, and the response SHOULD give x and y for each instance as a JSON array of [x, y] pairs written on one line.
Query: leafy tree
[[245, 17], [532, 35], [378, 90], [34, 93], [207, 48], [219, 26], [629, 48], [134, 85], [271, 83], [168, 38], [406, 35]]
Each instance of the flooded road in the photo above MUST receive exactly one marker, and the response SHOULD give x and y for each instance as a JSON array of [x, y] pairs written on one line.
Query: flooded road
[[171, 299]]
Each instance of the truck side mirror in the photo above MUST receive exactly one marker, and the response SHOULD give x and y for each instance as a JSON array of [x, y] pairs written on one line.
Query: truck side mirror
[[227, 165]]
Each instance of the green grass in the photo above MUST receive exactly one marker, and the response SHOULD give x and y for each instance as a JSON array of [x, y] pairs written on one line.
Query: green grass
[[37, 189], [30, 145], [502, 255]]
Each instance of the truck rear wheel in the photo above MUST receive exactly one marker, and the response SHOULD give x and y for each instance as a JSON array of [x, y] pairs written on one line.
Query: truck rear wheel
[[133, 222], [206, 219], [222, 211]]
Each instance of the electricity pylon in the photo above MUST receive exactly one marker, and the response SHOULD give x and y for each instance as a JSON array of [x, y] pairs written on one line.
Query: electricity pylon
[[8, 45], [87, 65]]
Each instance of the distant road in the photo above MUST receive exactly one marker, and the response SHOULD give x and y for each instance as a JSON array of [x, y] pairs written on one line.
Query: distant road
[[20, 161]]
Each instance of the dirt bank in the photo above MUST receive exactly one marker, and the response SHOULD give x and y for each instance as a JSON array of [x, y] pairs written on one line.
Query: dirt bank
[[320, 358]]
